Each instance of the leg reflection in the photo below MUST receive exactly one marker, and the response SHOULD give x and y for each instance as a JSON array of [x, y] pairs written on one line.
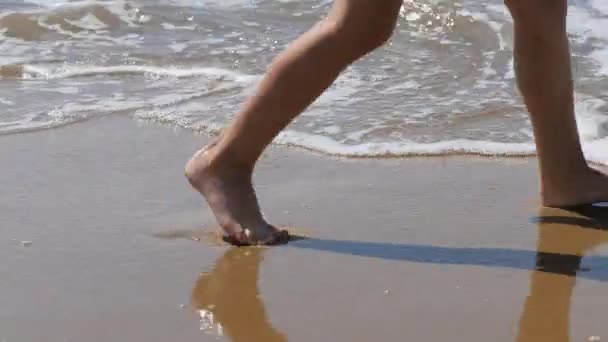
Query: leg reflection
[[228, 299], [565, 236]]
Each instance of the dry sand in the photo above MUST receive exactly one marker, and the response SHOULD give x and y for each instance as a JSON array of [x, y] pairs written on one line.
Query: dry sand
[[436, 249]]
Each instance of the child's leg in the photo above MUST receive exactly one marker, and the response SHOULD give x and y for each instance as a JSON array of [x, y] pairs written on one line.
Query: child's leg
[[222, 172], [542, 64]]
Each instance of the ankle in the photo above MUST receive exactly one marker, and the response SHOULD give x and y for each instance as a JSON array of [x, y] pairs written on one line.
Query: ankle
[[572, 188], [222, 159], [564, 172]]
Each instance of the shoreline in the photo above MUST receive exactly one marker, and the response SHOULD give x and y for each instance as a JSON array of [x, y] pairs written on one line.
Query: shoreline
[[289, 145]]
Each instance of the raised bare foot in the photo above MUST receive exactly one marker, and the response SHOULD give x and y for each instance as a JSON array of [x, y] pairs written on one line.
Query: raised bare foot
[[229, 192], [588, 187]]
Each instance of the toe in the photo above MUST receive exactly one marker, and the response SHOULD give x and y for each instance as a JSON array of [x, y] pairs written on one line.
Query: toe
[[238, 239], [242, 239]]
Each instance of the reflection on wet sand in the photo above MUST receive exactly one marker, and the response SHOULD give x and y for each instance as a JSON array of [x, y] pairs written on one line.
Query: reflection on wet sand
[[228, 299], [565, 236]]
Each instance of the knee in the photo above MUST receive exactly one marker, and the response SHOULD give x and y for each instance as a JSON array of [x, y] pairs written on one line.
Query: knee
[[367, 31], [550, 14]]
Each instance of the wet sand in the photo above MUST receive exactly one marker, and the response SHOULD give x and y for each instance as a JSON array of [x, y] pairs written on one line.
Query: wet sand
[[439, 249]]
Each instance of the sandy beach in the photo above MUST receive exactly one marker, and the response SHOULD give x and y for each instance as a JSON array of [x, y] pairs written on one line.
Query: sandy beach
[[103, 240]]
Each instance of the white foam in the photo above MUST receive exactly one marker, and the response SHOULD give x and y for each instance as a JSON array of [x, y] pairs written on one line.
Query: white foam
[[401, 87], [178, 47], [122, 9], [600, 5], [6, 102], [494, 25], [595, 151], [69, 113], [590, 119], [172, 27], [49, 3], [163, 117], [89, 22], [330, 146], [35, 71], [216, 3], [589, 116], [28, 124], [585, 25]]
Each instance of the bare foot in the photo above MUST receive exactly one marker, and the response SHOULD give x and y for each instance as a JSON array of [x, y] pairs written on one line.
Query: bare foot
[[229, 192], [589, 187]]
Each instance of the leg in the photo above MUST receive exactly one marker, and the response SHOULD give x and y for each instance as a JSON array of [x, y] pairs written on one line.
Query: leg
[[542, 64], [222, 172]]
